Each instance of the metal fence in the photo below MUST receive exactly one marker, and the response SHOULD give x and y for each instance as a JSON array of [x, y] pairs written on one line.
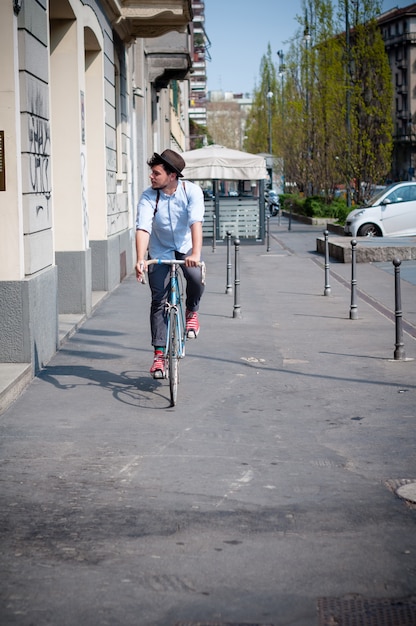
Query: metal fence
[[243, 217]]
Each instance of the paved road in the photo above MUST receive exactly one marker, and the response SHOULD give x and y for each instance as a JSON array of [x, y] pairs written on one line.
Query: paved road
[[267, 496]]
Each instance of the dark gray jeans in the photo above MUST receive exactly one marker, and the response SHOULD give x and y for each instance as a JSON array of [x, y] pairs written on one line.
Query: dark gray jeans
[[159, 285]]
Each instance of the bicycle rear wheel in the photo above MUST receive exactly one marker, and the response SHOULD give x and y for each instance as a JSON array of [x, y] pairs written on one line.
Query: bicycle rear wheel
[[173, 355]]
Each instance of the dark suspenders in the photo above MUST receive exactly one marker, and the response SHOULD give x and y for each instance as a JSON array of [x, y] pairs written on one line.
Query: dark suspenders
[[157, 202], [158, 196]]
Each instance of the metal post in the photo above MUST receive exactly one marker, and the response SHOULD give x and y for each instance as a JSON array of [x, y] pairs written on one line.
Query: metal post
[[228, 286], [262, 212], [399, 353], [214, 232], [290, 217], [327, 290], [353, 308], [268, 233], [215, 185], [237, 308]]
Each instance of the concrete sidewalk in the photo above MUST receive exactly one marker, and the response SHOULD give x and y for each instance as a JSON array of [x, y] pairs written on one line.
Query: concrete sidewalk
[[15, 377], [371, 281], [267, 496]]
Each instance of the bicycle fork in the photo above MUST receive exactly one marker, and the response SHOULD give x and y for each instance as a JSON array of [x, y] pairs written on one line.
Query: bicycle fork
[[180, 328]]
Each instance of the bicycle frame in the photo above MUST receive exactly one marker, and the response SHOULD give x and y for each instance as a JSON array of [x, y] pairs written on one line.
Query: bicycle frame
[[176, 328], [174, 302]]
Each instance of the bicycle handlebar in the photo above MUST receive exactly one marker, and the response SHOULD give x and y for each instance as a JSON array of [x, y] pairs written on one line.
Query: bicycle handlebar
[[200, 264]]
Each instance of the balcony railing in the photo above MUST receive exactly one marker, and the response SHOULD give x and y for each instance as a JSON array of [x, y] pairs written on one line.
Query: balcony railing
[[404, 38]]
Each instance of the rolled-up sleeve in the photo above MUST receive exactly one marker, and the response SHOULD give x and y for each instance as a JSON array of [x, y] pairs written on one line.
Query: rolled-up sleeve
[[196, 205]]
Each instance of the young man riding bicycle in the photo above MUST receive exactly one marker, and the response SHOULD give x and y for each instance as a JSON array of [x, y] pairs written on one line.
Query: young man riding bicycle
[[168, 226]]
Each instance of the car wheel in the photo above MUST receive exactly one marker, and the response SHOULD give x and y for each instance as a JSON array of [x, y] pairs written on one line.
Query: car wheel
[[369, 230]]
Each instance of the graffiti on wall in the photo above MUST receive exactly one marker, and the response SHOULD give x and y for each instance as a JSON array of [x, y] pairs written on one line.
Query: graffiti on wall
[[84, 174], [39, 144], [84, 197]]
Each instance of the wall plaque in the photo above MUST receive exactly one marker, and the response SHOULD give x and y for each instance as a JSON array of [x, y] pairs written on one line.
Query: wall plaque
[[2, 163]]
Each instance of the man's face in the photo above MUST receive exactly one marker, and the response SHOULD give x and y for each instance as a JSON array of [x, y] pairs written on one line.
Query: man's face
[[160, 179]]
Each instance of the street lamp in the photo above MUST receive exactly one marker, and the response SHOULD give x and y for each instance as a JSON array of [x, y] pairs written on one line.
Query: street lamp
[[282, 66], [282, 70], [269, 97], [307, 39]]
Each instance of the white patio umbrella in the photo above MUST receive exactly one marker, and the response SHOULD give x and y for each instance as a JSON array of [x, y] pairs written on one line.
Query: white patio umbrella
[[219, 163]]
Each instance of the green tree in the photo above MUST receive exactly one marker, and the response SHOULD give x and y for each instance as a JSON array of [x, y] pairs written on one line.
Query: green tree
[[371, 94], [199, 135], [291, 127], [326, 88], [257, 125], [332, 114], [311, 100]]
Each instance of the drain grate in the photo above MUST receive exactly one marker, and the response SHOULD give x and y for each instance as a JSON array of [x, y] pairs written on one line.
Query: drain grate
[[358, 611], [219, 624]]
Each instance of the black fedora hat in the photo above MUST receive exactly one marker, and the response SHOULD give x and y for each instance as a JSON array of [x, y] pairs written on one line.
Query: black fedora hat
[[173, 160]]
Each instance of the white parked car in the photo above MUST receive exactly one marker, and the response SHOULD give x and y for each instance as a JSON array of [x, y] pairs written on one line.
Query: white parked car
[[389, 213]]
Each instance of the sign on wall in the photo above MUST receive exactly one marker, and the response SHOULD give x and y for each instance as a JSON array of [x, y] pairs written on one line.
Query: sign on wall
[[2, 163]]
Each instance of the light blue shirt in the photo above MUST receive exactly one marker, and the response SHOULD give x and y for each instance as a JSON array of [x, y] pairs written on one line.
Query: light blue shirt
[[169, 228]]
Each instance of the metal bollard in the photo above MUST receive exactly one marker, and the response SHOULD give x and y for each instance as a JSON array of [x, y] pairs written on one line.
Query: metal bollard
[[353, 308], [268, 232], [237, 308], [214, 232], [228, 286], [327, 290], [399, 353], [290, 217]]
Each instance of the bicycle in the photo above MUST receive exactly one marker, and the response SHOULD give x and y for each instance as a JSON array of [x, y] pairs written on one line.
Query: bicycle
[[176, 327]]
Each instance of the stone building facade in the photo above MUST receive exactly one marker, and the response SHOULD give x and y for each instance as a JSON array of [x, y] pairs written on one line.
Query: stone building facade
[[90, 88]]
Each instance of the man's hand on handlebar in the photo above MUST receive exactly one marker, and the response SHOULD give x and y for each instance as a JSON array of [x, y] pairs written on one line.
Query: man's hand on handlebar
[[141, 268], [192, 260]]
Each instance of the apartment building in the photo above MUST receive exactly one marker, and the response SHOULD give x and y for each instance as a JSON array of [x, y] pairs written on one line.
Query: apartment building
[[398, 28], [90, 88], [198, 78], [227, 115]]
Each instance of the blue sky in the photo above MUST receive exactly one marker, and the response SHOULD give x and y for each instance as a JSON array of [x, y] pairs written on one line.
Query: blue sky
[[240, 30]]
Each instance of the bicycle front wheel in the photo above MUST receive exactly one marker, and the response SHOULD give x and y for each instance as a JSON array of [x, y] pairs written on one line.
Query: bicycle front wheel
[[173, 355]]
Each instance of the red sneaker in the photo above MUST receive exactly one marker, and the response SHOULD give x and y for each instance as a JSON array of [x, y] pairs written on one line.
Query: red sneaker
[[158, 367], [192, 324]]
